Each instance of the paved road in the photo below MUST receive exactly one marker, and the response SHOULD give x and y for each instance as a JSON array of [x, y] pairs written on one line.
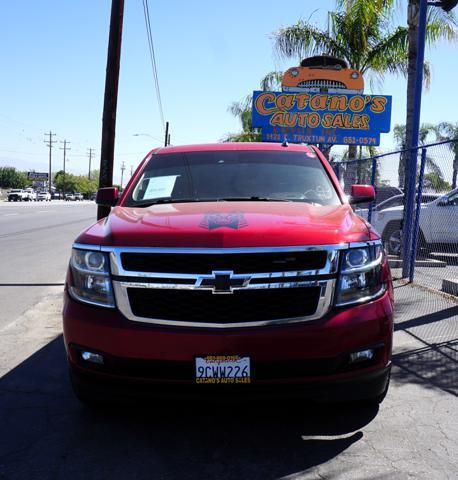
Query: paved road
[[35, 241]]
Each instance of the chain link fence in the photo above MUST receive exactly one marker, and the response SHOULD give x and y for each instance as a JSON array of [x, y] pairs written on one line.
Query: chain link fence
[[431, 256]]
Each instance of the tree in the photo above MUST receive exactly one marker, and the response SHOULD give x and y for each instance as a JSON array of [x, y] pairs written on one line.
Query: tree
[[242, 110], [67, 182], [441, 25], [12, 178], [363, 33], [449, 131], [433, 181], [358, 32], [426, 129]]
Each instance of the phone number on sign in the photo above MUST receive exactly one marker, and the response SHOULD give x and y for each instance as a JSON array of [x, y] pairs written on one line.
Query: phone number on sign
[[360, 140]]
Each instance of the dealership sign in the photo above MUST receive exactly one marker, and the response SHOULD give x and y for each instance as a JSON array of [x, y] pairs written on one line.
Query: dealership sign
[[43, 177], [325, 118]]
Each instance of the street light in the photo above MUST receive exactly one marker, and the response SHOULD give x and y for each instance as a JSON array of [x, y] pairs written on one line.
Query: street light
[[146, 135]]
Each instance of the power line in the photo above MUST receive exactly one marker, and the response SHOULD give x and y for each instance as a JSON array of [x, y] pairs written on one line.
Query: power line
[[153, 59]]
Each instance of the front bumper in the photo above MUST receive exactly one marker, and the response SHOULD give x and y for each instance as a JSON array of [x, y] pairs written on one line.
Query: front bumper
[[310, 358]]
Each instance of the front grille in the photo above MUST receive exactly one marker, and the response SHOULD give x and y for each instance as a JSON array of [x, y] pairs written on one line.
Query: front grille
[[240, 306], [204, 263], [322, 84]]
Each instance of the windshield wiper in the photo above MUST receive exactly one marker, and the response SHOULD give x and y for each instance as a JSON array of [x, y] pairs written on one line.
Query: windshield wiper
[[163, 200], [159, 201], [252, 199]]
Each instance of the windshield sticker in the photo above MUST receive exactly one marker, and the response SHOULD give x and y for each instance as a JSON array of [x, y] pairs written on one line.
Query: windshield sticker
[[233, 220], [159, 187]]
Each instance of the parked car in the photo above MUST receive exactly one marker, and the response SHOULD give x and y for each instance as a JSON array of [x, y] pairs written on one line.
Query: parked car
[[396, 201], [43, 196], [79, 196], [384, 192], [239, 266], [438, 223], [31, 194], [18, 195], [70, 197], [56, 196]]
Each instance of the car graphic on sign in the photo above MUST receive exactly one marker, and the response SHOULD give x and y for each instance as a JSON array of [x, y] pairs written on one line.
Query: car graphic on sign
[[323, 74]]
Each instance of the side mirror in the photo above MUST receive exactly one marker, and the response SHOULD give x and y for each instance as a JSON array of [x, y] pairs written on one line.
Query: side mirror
[[361, 194], [107, 196]]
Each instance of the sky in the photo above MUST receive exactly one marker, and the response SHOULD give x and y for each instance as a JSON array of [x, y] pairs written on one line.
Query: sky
[[209, 54]]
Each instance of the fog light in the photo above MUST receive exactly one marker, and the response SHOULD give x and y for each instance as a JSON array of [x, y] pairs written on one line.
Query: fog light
[[92, 357], [362, 356]]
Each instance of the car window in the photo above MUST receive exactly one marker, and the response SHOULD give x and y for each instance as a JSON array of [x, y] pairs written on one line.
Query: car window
[[391, 202], [213, 175]]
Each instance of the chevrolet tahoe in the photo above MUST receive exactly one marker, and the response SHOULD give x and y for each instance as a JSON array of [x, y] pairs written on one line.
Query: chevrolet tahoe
[[232, 268]]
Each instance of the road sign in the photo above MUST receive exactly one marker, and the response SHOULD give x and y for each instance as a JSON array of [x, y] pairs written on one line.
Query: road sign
[[43, 177]]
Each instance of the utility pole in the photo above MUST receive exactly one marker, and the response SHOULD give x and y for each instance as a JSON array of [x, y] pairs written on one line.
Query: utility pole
[[412, 145], [90, 158], [49, 143], [123, 167], [65, 148], [110, 100], [167, 137], [131, 170]]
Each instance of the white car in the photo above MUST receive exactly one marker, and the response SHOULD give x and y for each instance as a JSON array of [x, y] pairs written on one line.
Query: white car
[[438, 224], [44, 197], [18, 195], [32, 195], [395, 201]]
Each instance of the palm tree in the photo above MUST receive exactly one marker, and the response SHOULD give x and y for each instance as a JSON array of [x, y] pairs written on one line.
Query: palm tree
[[243, 111], [441, 25], [426, 129], [361, 32], [357, 32], [449, 131]]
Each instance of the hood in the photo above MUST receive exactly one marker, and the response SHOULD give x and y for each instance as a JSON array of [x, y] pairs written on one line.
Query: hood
[[228, 224]]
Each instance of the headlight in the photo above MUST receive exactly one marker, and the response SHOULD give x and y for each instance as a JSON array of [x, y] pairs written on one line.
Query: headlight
[[360, 276], [91, 278], [294, 72]]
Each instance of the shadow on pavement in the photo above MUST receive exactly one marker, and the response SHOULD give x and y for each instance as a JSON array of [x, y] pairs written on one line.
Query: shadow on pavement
[[444, 314], [435, 365], [427, 323], [47, 433]]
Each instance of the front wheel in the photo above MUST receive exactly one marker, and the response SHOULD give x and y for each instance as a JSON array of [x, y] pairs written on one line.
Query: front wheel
[[392, 238]]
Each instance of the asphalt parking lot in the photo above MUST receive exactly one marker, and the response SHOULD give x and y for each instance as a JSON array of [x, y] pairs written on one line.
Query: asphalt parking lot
[[46, 433]]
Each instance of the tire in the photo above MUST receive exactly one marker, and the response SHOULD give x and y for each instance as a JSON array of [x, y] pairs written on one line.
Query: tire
[[392, 238], [423, 247]]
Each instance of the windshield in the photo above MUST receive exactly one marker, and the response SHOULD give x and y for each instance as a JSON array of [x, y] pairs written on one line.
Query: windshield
[[233, 175]]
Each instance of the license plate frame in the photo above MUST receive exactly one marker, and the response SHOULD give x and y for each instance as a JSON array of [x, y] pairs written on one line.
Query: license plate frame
[[222, 369]]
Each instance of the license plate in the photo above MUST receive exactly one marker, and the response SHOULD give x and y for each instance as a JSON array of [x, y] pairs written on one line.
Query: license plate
[[223, 369]]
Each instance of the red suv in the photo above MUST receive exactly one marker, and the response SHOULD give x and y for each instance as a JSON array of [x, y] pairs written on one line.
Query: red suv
[[235, 268]]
